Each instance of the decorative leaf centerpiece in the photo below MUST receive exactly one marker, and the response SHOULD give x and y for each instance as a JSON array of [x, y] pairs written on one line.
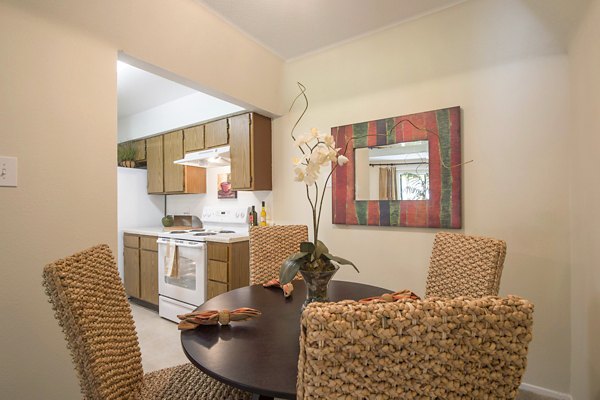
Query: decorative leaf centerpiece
[[317, 150], [311, 257]]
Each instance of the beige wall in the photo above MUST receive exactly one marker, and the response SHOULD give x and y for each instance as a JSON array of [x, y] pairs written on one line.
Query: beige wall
[[515, 128], [186, 43], [58, 112], [60, 121], [584, 56]]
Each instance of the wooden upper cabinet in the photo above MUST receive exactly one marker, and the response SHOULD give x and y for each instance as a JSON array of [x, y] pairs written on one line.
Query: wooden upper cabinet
[[250, 141], [215, 133], [154, 162], [173, 144], [193, 138], [249, 137], [239, 141], [260, 154], [140, 150], [164, 176]]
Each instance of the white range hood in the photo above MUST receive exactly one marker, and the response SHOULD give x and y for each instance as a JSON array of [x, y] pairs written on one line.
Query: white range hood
[[217, 157]]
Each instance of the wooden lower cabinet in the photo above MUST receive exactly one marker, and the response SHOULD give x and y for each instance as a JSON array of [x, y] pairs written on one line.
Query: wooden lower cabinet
[[140, 267], [215, 289], [228, 267], [131, 271], [149, 276]]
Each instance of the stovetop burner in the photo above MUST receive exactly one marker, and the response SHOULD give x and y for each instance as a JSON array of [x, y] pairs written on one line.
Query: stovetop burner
[[226, 231], [205, 234], [176, 232]]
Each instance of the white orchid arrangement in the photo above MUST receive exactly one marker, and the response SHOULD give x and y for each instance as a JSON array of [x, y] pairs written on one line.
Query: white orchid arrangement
[[318, 149]]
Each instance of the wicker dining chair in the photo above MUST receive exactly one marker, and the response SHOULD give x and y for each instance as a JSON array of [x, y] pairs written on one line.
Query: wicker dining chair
[[270, 246], [90, 305], [464, 265], [437, 348]]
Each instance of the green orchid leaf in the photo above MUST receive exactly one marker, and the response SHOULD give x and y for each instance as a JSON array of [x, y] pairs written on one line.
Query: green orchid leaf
[[340, 260], [321, 249], [307, 247], [290, 267], [297, 256]]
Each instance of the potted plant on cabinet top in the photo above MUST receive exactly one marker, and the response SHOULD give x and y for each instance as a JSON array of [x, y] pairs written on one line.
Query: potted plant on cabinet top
[[314, 261], [126, 155]]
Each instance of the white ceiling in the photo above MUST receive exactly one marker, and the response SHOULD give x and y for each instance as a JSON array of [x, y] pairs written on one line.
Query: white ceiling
[[292, 28], [139, 90]]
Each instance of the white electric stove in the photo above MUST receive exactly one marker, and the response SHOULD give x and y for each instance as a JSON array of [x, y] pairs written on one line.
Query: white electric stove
[[182, 259]]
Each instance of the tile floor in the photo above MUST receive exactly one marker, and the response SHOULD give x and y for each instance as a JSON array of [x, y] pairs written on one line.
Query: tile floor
[[159, 340], [161, 347]]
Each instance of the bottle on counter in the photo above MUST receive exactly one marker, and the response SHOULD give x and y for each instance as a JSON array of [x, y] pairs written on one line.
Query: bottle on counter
[[253, 217], [263, 215]]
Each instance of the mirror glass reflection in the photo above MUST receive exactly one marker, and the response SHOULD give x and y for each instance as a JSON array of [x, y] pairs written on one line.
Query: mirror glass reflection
[[395, 172]]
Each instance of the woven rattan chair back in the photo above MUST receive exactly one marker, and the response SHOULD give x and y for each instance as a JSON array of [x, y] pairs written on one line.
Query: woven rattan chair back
[[91, 306], [270, 246], [464, 265], [436, 348]]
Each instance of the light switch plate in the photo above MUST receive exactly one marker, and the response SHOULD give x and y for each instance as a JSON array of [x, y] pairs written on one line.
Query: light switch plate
[[8, 171]]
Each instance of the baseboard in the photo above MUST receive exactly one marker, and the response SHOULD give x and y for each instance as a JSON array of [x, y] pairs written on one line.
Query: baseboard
[[551, 394]]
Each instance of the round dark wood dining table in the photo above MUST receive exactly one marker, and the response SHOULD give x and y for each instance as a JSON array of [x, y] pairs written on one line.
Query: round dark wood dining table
[[260, 355]]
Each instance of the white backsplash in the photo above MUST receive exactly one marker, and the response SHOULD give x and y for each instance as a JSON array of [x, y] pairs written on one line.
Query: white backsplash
[[135, 207], [194, 203]]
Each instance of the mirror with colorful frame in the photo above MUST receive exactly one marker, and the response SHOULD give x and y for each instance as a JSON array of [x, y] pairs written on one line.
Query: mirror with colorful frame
[[438, 204]]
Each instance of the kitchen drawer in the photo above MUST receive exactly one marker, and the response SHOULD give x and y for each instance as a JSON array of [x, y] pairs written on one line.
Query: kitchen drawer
[[217, 271], [132, 241], [149, 243], [218, 252], [215, 289]]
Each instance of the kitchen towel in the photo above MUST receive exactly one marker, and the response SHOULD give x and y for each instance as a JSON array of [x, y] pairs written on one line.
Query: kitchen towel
[[171, 267]]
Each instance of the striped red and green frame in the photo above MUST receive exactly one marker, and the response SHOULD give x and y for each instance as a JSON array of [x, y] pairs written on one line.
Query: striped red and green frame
[[443, 209]]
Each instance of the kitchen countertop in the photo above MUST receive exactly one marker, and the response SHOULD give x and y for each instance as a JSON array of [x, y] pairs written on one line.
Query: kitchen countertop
[[158, 231], [149, 231], [231, 238]]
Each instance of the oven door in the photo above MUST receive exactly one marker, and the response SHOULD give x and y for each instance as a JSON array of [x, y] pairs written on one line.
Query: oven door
[[182, 270]]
